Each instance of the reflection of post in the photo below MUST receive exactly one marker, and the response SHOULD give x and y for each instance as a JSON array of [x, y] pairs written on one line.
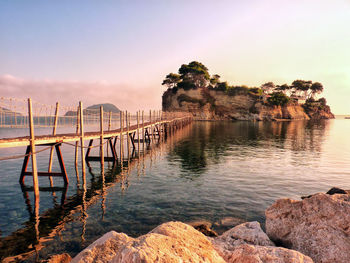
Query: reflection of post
[[52, 148], [33, 153], [82, 141], [77, 146]]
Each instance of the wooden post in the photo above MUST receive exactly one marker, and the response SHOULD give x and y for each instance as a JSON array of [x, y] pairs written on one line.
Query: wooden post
[[127, 133], [77, 145], [110, 121], [52, 148], [143, 132], [32, 146], [81, 115], [150, 120], [121, 137], [101, 137], [138, 131]]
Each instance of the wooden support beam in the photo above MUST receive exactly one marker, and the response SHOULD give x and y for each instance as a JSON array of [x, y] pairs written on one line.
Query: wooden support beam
[[121, 137], [138, 132], [77, 145], [82, 141], [143, 132], [32, 147], [101, 137], [62, 166], [52, 148]]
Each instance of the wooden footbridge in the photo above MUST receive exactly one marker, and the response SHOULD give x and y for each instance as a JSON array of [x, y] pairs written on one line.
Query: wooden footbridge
[[134, 132]]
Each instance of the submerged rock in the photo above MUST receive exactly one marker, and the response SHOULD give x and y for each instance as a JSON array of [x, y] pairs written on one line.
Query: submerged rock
[[204, 227], [318, 226]]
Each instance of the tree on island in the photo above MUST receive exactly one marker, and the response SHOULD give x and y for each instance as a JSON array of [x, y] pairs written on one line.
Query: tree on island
[[195, 75], [171, 80], [268, 87]]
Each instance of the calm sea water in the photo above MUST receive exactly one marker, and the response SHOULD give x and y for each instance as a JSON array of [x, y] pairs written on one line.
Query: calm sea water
[[207, 171]]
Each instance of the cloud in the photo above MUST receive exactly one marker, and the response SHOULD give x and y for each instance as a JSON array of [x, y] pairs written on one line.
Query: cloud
[[69, 93]]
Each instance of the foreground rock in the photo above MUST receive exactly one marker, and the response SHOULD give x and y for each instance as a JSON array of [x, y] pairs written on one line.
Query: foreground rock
[[248, 243], [179, 242], [318, 226], [169, 242]]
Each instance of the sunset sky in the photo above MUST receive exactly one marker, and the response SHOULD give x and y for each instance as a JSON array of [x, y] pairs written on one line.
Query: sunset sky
[[120, 51]]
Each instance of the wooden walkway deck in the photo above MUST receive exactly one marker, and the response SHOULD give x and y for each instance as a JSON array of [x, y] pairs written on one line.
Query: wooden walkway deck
[[74, 137]]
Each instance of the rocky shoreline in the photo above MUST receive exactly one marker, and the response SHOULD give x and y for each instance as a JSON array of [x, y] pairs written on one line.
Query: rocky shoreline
[[314, 229]]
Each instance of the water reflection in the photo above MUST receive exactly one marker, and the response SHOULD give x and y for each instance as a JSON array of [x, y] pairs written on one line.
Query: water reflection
[[208, 142]]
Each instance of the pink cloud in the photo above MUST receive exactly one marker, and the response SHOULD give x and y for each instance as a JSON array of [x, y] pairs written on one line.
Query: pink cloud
[[69, 93]]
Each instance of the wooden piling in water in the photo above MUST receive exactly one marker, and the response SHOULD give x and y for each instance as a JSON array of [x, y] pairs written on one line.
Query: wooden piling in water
[[81, 116], [143, 132], [101, 137], [77, 145], [33, 153], [53, 148], [121, 137], [138, 132]]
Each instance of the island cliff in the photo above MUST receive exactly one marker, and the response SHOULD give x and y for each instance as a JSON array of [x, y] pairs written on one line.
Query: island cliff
[[206, 104], [207, 98]]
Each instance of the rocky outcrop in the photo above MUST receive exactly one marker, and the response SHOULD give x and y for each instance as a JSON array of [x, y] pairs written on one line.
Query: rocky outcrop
[[205, 104], [179, 242], [318, 226], [248, 243], [169, 242], [258, 254]]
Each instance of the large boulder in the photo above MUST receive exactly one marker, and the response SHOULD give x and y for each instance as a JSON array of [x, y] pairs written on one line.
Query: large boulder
[[103, 249], [169, 242], [247, 242], [318, 226], [258, 254]]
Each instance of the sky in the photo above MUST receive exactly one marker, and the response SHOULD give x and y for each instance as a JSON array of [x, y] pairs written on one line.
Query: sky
[[120, 51]]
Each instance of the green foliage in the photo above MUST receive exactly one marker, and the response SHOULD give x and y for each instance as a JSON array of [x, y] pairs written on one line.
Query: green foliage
[[215, 79], [171, 80], [196, 73], [268, 87], [222, 86], [186, 85], [278, 99], [237, 90]]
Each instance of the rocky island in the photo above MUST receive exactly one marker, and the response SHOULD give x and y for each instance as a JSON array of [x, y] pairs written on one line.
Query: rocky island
[[207, 98]]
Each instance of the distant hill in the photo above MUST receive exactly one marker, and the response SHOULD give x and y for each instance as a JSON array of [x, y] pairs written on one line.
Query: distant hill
[[9, 111], [107, 107]]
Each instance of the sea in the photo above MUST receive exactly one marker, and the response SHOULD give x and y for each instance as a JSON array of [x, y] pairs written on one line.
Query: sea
[[222, 172]]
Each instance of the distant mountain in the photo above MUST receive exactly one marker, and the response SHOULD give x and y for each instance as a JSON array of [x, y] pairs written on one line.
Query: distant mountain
[[107, 107], [9, 111]]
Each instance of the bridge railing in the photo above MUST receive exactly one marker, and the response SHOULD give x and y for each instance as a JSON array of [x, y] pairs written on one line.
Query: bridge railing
[[65, 119]]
